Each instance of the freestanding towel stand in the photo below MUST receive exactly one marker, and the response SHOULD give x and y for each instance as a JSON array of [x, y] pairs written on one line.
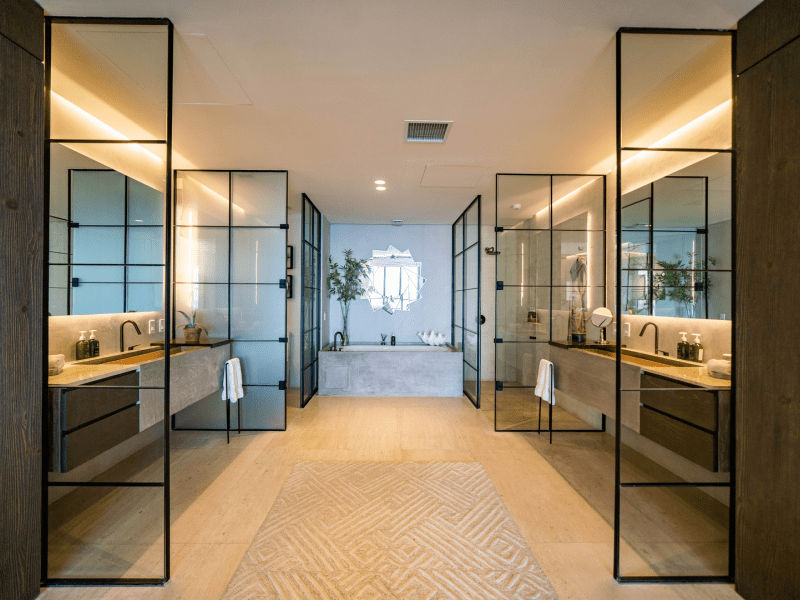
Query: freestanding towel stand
[[550, 416]]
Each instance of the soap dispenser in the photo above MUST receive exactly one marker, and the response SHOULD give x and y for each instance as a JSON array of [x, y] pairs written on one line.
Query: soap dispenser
[[94, 343], [683, 347], [697, 349], [82, 347]]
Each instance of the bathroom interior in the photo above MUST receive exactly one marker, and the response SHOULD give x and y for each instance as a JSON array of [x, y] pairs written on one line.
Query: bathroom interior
[[621, 278]]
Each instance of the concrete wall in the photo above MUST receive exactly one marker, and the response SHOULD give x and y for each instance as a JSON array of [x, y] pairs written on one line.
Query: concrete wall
[[429, 244]]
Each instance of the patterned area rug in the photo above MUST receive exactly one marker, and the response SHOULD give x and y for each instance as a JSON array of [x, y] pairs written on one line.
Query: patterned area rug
[[389, 530]]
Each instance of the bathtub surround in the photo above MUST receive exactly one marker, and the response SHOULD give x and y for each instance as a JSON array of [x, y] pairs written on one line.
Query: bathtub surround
[[431, 246], [404, 370]]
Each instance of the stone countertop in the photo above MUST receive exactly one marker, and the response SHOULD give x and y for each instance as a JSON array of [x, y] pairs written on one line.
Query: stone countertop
[[81, 373], [695, 374]]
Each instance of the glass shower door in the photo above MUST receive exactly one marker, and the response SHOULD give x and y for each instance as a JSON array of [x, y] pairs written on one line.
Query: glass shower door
[[309, 318], [466, 326]]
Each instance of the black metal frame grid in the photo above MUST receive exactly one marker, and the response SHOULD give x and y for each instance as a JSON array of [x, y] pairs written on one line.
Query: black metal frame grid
[[167, 265], [281, 385], [72, 224], [315, 249], [499, 385], [463, 326], [619, 485]]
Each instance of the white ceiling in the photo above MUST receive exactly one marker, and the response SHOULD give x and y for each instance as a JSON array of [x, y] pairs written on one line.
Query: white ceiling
[[529, 86]]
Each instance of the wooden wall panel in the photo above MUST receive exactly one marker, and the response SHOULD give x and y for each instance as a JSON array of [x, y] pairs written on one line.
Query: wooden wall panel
[[22, 22], [768, 294], [21, 305], [766, 28]]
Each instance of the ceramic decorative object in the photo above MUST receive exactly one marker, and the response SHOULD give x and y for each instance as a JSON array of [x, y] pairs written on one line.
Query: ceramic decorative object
[[192, 335], [432, 338]]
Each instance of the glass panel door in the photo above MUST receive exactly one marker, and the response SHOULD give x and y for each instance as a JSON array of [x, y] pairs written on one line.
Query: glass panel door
[[310, 301], [466, 321]]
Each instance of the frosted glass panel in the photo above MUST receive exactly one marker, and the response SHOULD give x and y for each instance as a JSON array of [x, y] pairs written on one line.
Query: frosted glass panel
[[145, 297], [98, 197], [145, 205], [263, 363], [98, 274], [145, 274], [145, 246], [263, 408], [257, 255], [211, 303], [201, 254], [259, 198], [202, 198], [258, 312], [94, 298], [98, 245]]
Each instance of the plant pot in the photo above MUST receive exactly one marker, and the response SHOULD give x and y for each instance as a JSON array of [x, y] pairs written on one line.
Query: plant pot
[[578, 338], [192, 335]]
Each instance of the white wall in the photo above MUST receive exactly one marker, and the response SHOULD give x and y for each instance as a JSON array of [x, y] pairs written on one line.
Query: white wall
[[429, 244]]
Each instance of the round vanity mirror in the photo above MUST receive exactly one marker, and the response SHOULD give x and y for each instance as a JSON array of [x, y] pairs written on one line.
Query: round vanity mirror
[[601, 317]]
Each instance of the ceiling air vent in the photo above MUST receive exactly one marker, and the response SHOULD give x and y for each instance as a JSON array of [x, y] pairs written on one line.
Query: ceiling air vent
[[427, 131]]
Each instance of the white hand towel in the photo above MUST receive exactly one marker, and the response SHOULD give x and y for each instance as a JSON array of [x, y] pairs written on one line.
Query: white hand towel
[[232, 380], [544, 383], [55, 362]]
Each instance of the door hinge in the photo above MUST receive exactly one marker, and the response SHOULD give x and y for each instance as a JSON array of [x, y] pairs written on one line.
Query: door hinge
[[498, 386], [283, 340], [284, 226], [282, 284], [498, 340], [498, 230], [76, 282], [281, 385], [499, 286]]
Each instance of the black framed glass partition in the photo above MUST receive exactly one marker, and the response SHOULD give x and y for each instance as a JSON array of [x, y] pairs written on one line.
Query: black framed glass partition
[[231, 235], [675, 271], [551, 273], [311, 302], [466, 323], [108, 147]]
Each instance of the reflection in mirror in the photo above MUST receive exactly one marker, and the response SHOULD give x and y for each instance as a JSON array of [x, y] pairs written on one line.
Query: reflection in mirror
[[106, 239], [676, 243], [393, 281]]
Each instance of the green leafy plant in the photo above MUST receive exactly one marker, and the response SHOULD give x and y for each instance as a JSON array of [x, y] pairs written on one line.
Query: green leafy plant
[[681, 284], [345, 282], [191, 320]]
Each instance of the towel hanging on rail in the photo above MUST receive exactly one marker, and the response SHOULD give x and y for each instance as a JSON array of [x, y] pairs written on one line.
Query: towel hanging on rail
[[232, 388]]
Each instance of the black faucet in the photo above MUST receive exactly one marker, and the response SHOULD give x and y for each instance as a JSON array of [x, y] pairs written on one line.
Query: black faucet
[[641, 333], [122, 335], [334, 339]]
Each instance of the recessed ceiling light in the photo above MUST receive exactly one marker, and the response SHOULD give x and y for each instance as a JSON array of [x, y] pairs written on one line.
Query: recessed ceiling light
[[379, 182], [380, 188]]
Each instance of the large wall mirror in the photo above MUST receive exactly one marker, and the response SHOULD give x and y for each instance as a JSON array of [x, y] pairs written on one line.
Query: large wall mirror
[[106, 239], [393, 281], [676, 243]]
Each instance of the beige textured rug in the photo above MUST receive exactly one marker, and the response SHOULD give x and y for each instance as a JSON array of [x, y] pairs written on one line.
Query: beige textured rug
[[389, 530]]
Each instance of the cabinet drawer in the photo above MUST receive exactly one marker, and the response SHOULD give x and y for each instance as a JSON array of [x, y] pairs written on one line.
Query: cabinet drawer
[[694, 405], [690, 442], [85, 404], [92, 440]]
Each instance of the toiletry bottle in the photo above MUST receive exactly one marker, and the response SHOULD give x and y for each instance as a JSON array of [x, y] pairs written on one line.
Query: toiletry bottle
[[94, 343], [683, 347], [392, 339], [697, 349], [82, 347]]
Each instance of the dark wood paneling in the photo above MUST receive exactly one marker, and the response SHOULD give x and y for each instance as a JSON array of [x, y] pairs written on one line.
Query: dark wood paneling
[[766, 28], [21, 309], [90, 441], [22, 21], [690, 442], [694, 405], [767, 296]]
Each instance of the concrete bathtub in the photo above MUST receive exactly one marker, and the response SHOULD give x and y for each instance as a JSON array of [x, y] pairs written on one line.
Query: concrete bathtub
[[406, 370]]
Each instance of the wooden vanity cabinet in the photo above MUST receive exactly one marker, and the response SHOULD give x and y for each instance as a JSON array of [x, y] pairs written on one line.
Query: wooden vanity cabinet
[[694, 423], [86, 422]]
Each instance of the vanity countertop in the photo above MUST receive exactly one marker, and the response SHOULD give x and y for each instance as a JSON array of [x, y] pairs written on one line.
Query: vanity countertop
[[692, 374], [81, 373], [203, 343]]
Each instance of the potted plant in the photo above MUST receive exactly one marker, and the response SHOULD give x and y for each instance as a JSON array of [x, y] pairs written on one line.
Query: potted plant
[[345, 282], [191, 332]]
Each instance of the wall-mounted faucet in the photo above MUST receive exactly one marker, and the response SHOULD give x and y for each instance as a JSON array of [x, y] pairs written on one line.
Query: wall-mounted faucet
[[641, 333], [334, 340], [122, 335]]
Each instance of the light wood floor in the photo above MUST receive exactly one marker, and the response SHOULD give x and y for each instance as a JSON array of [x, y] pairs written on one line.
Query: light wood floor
[[561, 496]]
